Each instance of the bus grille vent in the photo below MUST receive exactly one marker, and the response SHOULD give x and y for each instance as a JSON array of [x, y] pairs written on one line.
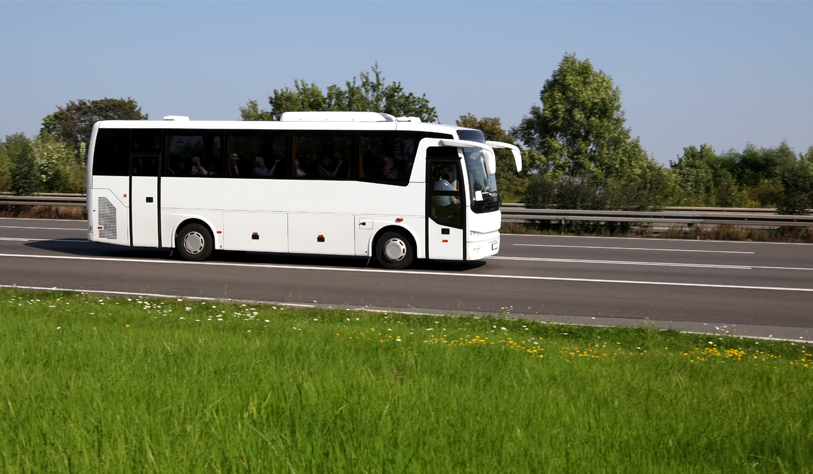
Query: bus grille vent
[[107, 219]]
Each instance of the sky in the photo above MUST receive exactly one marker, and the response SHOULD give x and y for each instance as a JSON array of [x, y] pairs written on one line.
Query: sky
[[690, 72]]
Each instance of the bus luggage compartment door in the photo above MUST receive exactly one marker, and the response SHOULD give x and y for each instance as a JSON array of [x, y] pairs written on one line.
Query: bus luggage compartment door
[[326, 234]]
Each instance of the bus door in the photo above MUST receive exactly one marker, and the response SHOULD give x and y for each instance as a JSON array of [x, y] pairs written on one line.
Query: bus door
[[446, 209], [144, 200]]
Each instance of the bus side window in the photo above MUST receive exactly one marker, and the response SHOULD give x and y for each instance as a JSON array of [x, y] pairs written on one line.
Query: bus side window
[[323, 155], [194, 153], [111, 156], [386, 158], [245, 148]]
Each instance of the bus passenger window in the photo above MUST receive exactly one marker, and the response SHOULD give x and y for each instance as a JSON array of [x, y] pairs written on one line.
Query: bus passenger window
[[387, 158], [323, 155], [194, 153], [246, 148]]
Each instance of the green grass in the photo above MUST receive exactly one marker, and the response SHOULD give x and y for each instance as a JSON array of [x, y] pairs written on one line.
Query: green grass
[[96, 384]]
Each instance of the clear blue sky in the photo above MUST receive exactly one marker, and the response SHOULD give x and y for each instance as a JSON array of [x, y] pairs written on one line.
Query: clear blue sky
[[723, 73]]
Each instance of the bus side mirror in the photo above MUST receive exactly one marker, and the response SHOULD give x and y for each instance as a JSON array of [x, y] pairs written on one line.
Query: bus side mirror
[[491, 162]]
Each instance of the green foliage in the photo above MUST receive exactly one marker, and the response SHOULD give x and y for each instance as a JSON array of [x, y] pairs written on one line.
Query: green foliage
[[24, 178], [647, 190], [56, 166], [703, 178], [797, 181], [369, 93], [5, 170], [755, 177], [579, 130], [252, 112], [74, 122], [756, 164]]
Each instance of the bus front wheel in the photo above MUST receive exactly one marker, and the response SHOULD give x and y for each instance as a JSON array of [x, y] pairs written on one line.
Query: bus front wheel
[[394, 250], [194, 242]]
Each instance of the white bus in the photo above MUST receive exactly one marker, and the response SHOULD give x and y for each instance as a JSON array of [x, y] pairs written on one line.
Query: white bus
[[338, 183]]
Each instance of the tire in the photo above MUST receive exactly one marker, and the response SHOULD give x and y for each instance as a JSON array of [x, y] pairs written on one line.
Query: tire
[[194, 242], [394, 250]]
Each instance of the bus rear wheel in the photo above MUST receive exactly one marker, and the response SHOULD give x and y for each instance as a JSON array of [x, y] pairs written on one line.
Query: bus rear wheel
[[394, 250], [194, 242]]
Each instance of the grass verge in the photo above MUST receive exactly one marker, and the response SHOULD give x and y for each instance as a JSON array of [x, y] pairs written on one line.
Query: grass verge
[[96, 384]]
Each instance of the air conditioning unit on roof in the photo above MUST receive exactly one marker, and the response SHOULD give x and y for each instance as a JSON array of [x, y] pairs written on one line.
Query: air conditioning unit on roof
[[336, 117]]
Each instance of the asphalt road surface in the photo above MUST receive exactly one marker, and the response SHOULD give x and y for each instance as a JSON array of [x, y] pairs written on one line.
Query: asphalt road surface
[[739, 288]]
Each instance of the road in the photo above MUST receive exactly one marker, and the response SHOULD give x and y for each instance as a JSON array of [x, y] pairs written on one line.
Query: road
[[742, 288]]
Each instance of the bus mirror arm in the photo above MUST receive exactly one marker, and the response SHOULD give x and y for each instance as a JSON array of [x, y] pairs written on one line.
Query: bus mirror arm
[[514, 151]]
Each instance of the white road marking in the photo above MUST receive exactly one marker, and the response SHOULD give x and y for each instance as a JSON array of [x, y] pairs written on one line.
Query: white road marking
[[415, 273], [41, 228], [632, 248], [650, 239], [622, 262], [656, 264]]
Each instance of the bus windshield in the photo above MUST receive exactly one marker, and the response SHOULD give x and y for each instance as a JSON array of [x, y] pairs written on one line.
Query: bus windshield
[[482, 187]]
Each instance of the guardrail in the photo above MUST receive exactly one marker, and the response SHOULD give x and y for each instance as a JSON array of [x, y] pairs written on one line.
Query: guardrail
[[726, 210], [512, 211], [45, 199], [694, 218]]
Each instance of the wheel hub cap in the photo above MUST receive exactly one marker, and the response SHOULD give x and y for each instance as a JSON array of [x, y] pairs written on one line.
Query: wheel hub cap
[[193, 243], [395, 250]]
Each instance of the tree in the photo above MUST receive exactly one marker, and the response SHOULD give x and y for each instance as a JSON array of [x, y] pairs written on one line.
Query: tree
[[370, 93], [579, 129], [704, 178], [24, 179], [56, 166], [5, 170], [796, 175], [74, 122]]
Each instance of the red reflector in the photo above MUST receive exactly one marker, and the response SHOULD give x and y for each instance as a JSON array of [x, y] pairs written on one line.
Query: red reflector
[[125, 195], [445, 241], [399, 220], [253, 233], [321, 236], [219, 232], [100, 227]]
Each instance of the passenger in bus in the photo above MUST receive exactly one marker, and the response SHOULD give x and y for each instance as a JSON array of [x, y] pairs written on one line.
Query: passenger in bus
[[442, 183], [300, 173], [234, 161], [388, 171], [261, 170], [198, 170], [323, 171]]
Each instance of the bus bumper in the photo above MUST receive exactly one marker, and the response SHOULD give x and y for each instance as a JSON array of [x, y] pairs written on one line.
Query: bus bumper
[[482, 245]]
